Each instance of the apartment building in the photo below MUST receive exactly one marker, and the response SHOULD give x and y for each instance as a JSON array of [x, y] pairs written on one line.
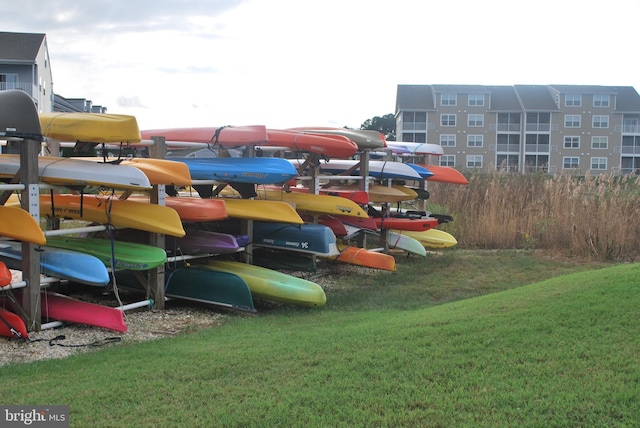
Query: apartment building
[[25, 65], [525, 128]]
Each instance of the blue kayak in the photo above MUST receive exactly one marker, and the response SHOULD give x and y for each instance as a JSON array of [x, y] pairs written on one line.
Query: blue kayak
[[240, 170], [306, 238], [424, 172], [58, 263]]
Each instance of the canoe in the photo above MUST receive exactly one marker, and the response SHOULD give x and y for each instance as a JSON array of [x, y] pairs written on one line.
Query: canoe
[[117, 212], [90, 127], [114, 254], [311, 203], [240, 170], [365, 139], [261, 210], [363, 257], [432, 238], [59, 263], [79, 172], [446, 174], [225, 136], [192, 209], [378, 169], [305, 238], [417, 148], [272, 285], [16, 223], [11, 325], [204, 242], [336, 146], [55, 306], [198, 284]]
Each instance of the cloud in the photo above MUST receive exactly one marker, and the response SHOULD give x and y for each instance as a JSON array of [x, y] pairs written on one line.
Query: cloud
[[129, 102]]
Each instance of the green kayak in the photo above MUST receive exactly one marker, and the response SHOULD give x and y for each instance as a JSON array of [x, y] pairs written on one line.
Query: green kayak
[[127, 255]]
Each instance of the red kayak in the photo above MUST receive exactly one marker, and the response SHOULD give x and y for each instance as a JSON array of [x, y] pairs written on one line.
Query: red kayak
[[225, 136], [400, 223], [63, 308], [336, 146], [11, 325]]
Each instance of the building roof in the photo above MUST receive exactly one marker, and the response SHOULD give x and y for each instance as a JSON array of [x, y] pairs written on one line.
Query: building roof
[[414, 97], [20, 46], [627, 100], [536, 98], [504, 98]]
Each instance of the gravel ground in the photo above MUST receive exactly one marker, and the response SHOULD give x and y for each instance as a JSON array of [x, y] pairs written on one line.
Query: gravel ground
[[142, 324]]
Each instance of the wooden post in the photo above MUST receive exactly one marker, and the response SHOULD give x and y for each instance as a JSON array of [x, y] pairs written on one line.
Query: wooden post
[[30, 258], [156, 276], [364, 185]]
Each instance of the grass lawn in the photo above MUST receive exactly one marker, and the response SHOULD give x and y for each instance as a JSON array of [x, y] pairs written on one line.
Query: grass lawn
[[453, 340]]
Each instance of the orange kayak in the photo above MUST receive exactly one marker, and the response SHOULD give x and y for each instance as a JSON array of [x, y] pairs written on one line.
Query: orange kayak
[[446, 174], [193, 209], [363, 257], [337, 146]]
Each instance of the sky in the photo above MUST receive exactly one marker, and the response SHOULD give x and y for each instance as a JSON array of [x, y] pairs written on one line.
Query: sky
[[289, 63]]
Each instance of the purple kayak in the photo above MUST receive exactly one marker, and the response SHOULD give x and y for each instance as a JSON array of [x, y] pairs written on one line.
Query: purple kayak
[[206, 242]]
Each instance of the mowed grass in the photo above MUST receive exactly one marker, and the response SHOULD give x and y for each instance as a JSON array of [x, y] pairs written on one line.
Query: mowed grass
[[560, 352]]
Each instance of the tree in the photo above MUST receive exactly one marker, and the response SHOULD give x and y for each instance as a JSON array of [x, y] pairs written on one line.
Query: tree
[[385, 124]]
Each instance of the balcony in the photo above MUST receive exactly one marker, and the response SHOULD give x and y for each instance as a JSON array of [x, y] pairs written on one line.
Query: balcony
[[628, 129], [25, 87]]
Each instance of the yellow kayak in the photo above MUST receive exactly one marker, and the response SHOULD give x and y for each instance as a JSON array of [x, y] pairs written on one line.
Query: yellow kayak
[[90, 127], [432, 238], [118, 212], [16, 223], [316, 204], [255, 209]]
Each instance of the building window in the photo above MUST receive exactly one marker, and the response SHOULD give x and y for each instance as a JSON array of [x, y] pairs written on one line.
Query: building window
[[535, 143], [573, 100], [447, 160], [570, 162], [474, 161], [600, 121], [538, 122], [571, 142], [474, 140], [508, 122], [476, 99], [508, 143], [414, 137], [8, 81], [447, 140], [475, 120], [414, 121], [448, 120], [448, 99], [599, 142], [507, 162], [599, 164], [572, 121], [601, 100]]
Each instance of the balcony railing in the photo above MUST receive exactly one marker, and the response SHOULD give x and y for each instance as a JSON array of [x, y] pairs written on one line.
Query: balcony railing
[[628, 129], [630, 150], [25, 87]]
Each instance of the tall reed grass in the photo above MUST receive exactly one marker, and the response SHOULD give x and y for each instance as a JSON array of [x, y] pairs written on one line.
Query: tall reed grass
[[594, 216]]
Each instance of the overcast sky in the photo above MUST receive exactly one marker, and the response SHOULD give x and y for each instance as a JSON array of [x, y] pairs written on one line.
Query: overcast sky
[[286, 63]]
